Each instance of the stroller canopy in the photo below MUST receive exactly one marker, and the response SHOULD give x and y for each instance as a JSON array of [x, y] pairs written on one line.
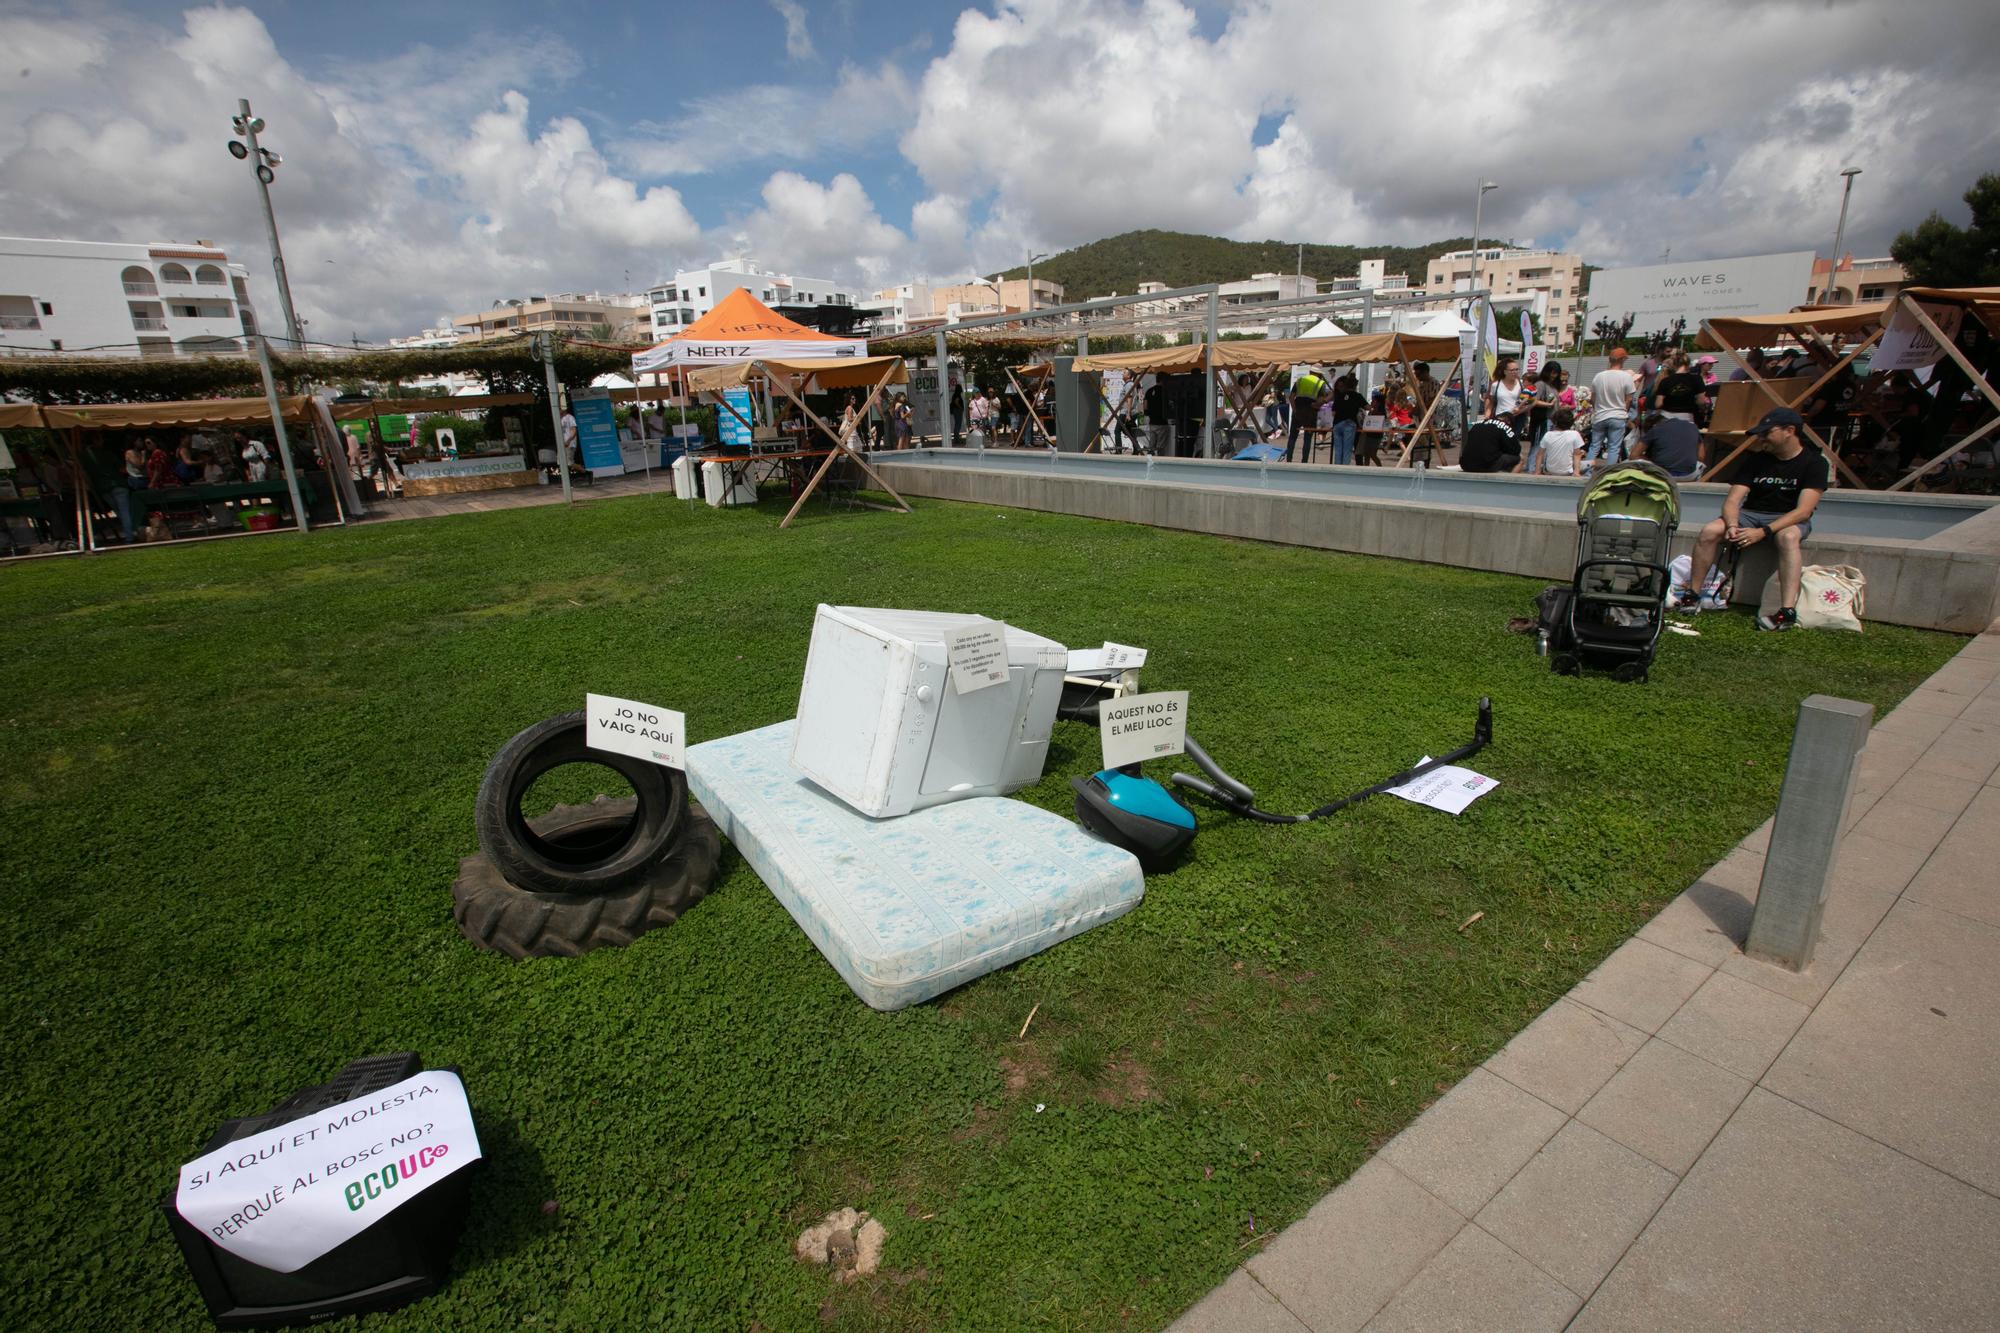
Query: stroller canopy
[[1635, 489]]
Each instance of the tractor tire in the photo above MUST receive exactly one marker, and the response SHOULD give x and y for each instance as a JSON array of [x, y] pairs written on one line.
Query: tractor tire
[[605, 857], [523, 923]]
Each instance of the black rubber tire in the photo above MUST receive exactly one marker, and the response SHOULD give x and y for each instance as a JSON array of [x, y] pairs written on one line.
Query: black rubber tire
[[1565, 664], [605, 858], [524, 924]]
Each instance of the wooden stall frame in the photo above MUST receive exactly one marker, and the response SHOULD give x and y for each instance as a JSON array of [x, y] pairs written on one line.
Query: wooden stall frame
[[1979, 381]]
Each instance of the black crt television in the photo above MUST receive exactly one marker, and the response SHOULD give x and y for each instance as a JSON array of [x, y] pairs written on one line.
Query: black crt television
[[402, 1258]]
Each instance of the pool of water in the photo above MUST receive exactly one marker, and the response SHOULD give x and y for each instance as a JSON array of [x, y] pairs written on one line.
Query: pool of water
[[1847, 513]]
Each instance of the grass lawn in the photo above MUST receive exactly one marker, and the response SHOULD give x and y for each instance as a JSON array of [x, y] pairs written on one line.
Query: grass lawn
[[236, 780]]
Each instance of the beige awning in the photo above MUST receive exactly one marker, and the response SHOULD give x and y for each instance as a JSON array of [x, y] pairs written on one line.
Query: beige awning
[[197, 412], [1983, 302], [19, 416], [1354, 350], [1757, 330], [820, 374], [1159, 361]]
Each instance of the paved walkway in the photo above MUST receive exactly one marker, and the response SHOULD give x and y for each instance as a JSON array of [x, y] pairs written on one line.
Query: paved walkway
[[516, 497], [1691, 1139]]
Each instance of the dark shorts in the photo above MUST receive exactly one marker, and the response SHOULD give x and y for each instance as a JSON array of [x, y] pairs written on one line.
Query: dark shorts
[[1752, 519]]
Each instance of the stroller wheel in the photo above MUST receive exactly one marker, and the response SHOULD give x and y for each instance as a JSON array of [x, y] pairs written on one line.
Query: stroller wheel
[[1565, 664], [1630, 672]]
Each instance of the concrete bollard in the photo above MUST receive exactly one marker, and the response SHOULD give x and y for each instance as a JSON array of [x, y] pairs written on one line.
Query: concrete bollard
[[1812, 807]]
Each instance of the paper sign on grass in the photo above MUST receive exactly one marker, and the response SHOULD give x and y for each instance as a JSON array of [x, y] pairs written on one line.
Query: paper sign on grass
[[626, 726], [977, 656], [283, 1198], [1142, 726], [1449, 788]]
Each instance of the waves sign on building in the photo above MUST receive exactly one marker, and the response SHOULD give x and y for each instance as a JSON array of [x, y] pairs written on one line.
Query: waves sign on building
[[1658, 294]]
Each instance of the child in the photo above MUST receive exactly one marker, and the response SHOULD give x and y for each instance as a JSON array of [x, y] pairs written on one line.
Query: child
[[1560, 446]]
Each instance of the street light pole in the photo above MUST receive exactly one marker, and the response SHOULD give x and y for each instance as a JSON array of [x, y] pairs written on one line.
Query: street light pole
[[263, 163], [1479, 329], [1839, 232], [1032, 257]]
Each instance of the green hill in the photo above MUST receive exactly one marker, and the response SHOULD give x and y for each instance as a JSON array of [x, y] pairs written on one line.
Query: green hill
[[1182, 259]]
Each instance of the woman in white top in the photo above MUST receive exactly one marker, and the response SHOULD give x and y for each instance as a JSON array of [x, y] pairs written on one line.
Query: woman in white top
[[1504, 397]]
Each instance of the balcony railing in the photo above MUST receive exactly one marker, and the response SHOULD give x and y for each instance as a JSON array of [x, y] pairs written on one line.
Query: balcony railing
[[20, 322], [148, 323], [141, 289]]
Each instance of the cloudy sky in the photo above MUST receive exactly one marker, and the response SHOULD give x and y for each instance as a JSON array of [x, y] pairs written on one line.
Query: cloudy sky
[[439, 156]]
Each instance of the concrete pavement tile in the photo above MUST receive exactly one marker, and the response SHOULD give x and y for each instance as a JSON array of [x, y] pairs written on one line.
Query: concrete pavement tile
[[1567, 1054], [1968, 750], [1665, 1104], [1735, 1024], [1851, 913], [1906, 823], [1641, 983], [1870, 864], [1478, 1285], [1967, 676], [1935, 791], [1341, 1262], [1926, 700], [1473, 1140], [1574, 1209], [1911, 725], [1906, 1046], [1759, 839], [1960, 875], [1239, 1305], [1983, 710], [1791, 1221], [1707, 923], [1742, 869]]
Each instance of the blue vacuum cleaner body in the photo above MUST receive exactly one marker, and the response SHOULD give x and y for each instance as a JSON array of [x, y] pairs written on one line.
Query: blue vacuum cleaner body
[[1135, 813]]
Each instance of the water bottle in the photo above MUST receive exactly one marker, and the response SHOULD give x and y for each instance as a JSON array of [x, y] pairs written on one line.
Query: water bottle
[[1541, 643]]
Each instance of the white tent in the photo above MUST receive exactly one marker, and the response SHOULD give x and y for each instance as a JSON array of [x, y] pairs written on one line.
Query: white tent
[[611, 379], [742, 328], [1326, 328]]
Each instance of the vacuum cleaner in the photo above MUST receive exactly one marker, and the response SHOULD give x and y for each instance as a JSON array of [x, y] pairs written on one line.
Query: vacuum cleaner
[[1132, 811]]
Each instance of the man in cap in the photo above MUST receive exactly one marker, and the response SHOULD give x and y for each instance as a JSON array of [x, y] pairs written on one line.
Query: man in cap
[[1773, 500]]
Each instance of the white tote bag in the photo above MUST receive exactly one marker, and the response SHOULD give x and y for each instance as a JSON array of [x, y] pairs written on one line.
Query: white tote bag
[[1830, 597]]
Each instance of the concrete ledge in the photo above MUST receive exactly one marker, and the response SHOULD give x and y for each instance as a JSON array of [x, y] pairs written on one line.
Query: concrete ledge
[[1936, 583]]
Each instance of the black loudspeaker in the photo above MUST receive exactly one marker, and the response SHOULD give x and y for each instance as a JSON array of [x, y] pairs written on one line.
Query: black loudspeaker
[[402, 1258]]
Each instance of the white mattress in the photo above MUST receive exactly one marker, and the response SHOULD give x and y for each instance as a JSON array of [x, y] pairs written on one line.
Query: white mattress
[[909, 907]]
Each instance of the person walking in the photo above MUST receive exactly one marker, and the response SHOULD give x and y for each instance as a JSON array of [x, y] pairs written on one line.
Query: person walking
[[1613, 394], [957, 414]]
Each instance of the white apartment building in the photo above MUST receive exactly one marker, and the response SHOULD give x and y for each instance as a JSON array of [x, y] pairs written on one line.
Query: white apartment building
[[1555, 279], [443, 335], [572, 314], [1371, 278], [900, 309], [695, 292], [164, 298]]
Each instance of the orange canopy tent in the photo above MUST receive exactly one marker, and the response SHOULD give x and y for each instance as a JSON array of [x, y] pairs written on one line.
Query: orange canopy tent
[[742, 328]]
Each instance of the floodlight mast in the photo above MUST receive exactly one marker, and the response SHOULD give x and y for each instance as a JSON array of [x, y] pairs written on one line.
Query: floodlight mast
[[264, 163]]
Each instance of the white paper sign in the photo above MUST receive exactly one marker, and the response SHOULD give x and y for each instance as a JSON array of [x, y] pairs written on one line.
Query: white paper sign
[[626, 726], [1142, 726], [976, 656], [1908, 345], [284, 1197], [1449, 788], [1111, 657]]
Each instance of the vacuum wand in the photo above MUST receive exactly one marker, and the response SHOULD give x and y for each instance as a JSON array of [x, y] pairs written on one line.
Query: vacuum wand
[[1234, 796]]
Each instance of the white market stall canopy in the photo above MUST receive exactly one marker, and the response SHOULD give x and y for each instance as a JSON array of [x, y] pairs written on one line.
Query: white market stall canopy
[[742, 328]]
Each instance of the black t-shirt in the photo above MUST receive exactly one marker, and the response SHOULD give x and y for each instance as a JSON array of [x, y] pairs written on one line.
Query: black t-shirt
[[1775, 483], [1680, 392], [1676, 446], [1348, 405], [1490, 446]]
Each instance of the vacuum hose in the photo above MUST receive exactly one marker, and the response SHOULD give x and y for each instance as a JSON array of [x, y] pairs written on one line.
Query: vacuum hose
[[1234, 796]]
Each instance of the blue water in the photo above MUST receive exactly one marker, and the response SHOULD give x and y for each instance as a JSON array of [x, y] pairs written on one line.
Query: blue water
[[1848, 513]]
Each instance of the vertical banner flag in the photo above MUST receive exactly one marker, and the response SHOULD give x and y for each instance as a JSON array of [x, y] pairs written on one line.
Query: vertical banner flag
[[1492, 341], [597, 432], [1531, 351], [730, 427]]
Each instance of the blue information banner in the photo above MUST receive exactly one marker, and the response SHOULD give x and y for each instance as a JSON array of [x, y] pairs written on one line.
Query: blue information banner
[[729, 426], [597, 432]]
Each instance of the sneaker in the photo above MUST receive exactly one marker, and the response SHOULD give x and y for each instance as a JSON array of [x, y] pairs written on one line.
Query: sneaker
[[1783, 618], [1713, 602], [1686, 604]]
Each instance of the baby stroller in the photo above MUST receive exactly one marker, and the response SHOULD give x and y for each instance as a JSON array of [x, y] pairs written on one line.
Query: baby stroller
[[1616, 602]]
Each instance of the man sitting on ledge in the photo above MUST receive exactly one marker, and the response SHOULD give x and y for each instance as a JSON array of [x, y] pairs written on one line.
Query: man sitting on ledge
[[1782, 481]]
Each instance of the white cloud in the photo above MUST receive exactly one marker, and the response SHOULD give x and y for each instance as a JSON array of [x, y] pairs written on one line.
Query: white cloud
[[798, 41], [830, 230]]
